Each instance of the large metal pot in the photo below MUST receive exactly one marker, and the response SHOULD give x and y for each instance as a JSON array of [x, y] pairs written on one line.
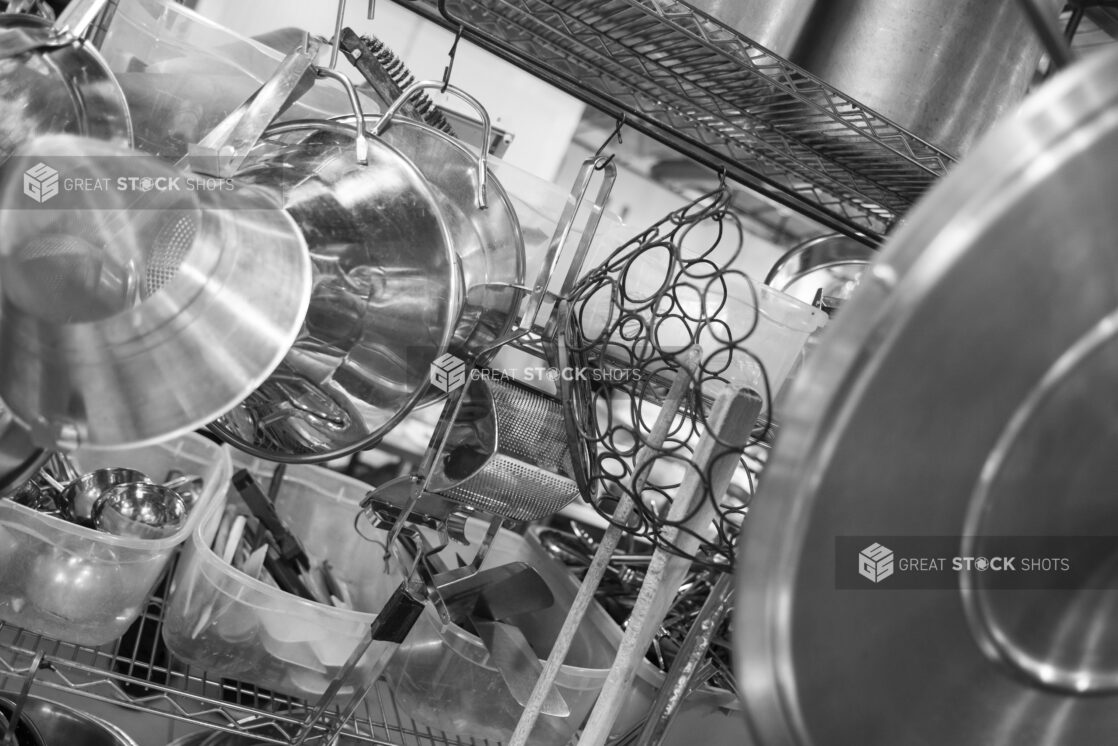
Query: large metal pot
[[774, 24], [965, 393], [385, 303], [944, 69], [51, 81], [493, 266]]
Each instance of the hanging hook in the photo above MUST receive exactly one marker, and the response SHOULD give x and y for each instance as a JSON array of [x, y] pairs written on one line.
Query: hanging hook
[[453, 54], [612, 135]]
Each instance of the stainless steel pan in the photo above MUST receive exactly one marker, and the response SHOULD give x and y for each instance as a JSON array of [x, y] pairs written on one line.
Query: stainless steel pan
[[386, 298]]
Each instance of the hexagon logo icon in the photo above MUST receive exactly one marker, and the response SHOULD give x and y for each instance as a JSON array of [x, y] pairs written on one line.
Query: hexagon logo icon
[[448, 373], [40, 182], [875, 563]]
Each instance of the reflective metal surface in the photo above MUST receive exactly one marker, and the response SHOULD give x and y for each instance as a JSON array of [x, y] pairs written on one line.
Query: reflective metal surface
[[52, 86], [60, 724], [774, 24], [140, 510], [494, 264], [827, 267], [966, 389], [385, 299], [943, 69], [132, 316], [19, 457]]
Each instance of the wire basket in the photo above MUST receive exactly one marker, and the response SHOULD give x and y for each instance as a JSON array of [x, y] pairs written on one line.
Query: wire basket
[[630, 323]]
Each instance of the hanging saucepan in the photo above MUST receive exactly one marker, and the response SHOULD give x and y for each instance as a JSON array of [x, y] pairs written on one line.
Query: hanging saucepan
[[53, 81], [387, 295], [494, 269]]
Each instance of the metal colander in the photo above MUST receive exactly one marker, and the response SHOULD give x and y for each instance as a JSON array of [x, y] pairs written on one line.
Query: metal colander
[[530, 475]]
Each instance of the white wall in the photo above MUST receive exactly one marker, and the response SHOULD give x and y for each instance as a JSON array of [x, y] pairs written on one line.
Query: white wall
[[542, 119]]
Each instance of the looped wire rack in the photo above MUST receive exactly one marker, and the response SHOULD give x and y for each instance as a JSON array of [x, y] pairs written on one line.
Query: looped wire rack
[[630, 323]]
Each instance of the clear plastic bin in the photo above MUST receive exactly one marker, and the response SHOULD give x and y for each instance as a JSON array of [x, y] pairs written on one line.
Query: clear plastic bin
[[441, 676], [84, 586], [182, 74], [230, 624]]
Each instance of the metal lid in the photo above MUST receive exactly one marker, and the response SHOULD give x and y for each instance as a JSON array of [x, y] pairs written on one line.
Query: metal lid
[[967, 389]]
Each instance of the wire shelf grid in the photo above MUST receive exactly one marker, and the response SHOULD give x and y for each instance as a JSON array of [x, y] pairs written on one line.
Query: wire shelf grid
[[714, 95], [137, 672]]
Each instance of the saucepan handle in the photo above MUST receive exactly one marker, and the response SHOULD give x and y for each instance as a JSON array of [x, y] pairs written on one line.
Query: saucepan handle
[[487, 127]]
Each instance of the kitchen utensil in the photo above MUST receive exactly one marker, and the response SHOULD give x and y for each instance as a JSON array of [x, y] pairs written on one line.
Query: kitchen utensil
[[529, 474], [20, 459], [77, 585], [288, 546], [140, 510], [509, 650], [597, 569], [35, 497], [494, 266], [233, 624], [79, 498], [189, 486], [61, 724], [222, 151], [391, 625], [691, 519], [824, 270], [389, 77], [944, 69], [53, 81], [21, 732], [385, 301], [942, 403], [679, 681], [195, 291]]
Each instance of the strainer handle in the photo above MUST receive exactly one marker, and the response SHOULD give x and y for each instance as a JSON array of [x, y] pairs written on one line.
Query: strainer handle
[[559, 239], [224, 149], [487, 127]]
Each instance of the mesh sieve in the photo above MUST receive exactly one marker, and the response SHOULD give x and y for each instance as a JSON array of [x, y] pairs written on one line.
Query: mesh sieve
[[530, 476], [171, 245]]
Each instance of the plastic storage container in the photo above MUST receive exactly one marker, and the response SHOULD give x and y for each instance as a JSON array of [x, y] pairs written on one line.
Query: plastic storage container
[[81, 585], [441, 676], [182, 73], [230, 624]]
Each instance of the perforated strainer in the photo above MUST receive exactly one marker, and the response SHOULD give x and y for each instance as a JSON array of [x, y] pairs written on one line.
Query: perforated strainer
[[528, 473]]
